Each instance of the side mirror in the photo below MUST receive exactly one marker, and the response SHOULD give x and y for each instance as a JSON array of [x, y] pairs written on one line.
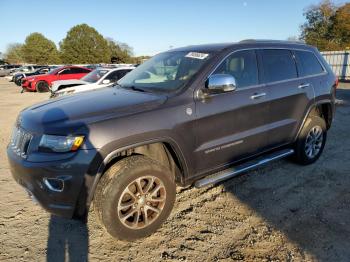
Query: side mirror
[[106, 81], [221, 83]]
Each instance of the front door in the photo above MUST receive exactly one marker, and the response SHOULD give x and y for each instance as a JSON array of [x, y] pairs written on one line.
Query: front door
[[232, 125]]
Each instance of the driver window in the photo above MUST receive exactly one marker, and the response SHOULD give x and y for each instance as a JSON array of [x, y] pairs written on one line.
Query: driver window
[[65, 72], [242, 65]]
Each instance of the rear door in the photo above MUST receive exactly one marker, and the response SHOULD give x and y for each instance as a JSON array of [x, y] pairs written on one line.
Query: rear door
[[64, 74], [289, 95], [77, 72], [232, 125]]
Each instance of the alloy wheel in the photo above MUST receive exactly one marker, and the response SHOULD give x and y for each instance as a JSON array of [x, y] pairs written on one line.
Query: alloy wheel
[[141, 202], [313, 143]]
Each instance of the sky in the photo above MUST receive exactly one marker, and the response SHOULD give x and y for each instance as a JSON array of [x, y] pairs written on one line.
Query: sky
[[153, 26]]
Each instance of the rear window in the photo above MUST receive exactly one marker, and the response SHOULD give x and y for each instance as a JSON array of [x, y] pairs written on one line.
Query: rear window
[[278, 65], [308, 63]]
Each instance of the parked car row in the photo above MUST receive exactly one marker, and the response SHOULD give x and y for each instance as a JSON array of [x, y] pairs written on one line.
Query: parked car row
[[100, 77], [17, 78], [62, 80]]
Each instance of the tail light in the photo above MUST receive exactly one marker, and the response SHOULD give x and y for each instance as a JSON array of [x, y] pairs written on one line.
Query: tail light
[[336, 83]]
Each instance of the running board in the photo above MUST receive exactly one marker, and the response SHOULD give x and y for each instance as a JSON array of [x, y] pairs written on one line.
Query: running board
[[237, 170]]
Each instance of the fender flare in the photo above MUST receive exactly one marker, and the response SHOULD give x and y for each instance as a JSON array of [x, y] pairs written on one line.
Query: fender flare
[[115, 153], [312, 106]]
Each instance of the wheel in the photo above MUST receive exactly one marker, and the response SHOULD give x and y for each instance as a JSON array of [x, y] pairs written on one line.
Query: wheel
[[134, 197], [42, 87], [311, 140]]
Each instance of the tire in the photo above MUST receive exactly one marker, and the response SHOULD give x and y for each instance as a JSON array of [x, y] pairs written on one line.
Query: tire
[[113, 202], [42, 87], [311, 141]]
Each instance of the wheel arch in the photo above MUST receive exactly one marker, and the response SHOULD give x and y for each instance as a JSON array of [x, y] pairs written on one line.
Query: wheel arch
[[322, 108], [165, 151]]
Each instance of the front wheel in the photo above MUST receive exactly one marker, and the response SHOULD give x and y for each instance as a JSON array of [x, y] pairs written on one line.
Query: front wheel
[[311, 141], [134, 197], [42, 87]]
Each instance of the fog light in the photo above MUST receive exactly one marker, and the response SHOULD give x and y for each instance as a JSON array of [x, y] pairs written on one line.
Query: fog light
[[54, 184]]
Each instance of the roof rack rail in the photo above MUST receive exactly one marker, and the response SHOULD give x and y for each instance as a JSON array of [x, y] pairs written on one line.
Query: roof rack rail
[[270, 41]]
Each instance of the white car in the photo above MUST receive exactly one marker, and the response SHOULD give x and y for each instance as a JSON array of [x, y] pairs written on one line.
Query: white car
[[98, 78]]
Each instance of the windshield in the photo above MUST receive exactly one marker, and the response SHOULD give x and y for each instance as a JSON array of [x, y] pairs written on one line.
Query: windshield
[[55, 70], [165, 72], [95, 75]]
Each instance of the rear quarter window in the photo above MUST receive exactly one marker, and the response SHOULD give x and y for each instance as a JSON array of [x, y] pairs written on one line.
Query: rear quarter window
[[308, 63], [278, 65]]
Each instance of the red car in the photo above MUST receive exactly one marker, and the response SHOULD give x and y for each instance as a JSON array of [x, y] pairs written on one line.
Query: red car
[[42, 83]]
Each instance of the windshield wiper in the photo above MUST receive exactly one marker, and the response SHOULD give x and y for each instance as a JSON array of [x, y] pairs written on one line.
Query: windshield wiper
[[133, 88]]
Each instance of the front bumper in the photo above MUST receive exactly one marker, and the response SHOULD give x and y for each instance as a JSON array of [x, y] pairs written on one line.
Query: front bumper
[[72, 171], [28, 86]]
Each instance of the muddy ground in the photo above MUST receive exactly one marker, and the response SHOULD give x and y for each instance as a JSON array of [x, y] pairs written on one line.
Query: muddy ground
[[283, 212]]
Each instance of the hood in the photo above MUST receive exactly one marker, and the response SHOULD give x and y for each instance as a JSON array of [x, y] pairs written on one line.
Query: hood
[[68, 114], [79, 88], [34, 77], [57, 84]]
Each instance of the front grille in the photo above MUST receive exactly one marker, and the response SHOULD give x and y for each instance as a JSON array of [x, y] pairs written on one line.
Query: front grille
[[20, 141]]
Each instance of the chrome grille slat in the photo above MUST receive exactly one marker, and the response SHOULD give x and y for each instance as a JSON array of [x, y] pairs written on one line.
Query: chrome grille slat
[[20, 141]]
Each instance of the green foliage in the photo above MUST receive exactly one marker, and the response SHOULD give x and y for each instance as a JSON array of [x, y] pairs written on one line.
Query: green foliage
[[341, 27], [37, 49], [14, 54], [83, 44], [119, 53], [327, 26]]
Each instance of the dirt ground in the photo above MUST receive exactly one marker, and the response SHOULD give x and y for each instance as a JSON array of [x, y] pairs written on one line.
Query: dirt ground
[[283, 212]]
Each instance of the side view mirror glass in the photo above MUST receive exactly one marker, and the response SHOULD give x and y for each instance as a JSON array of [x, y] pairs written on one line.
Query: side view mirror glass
[[106, 81], [220, 83]]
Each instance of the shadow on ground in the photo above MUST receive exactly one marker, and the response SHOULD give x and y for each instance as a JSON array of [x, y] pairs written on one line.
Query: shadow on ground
[[311, 205], [68, 240]]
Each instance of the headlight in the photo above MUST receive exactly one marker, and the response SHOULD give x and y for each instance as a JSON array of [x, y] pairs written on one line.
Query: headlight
[[60, 144]]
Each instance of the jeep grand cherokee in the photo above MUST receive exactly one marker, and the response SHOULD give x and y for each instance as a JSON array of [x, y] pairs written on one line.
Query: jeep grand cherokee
[[193, 115]]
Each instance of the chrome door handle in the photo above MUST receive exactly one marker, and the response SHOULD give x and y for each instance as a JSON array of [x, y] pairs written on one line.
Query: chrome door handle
[[256, 96], [302, 86]]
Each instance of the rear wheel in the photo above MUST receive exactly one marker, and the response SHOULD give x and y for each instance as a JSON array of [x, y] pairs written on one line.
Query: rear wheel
[[134, 197], [311, 140], [42, 87]]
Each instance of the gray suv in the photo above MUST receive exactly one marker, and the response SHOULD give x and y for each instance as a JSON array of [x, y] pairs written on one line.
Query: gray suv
[[193, 115]]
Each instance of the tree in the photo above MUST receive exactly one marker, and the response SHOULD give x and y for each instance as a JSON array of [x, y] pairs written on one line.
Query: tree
[[83, 44], [327, 26], [14, 54], [37, 49], [316, 30], [118, 53], [341, 27]]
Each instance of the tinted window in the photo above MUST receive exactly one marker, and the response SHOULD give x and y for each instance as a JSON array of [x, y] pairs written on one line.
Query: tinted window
[[242, 66], [65, 71], [76, 70], [278, 65], [115, 76], [308, 63]]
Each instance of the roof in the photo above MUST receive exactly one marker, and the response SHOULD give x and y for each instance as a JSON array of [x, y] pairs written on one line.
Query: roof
[[220, 46]]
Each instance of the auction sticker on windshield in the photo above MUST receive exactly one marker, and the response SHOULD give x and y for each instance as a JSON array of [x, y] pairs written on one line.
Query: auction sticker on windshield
[[197, 55]]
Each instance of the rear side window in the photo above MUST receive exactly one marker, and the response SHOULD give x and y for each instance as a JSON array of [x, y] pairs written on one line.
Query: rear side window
[[65, 71], [116, 75], [278, 65], [308, 63], [242, 65], [77, 70]]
